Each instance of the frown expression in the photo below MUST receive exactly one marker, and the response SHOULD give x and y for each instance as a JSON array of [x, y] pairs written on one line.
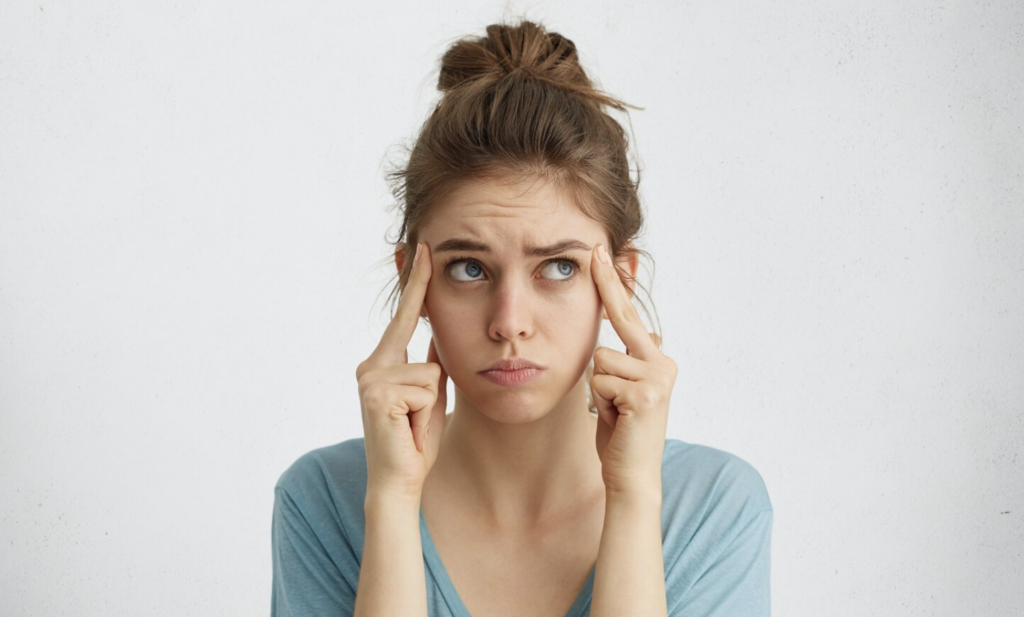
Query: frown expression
[[506, 301]]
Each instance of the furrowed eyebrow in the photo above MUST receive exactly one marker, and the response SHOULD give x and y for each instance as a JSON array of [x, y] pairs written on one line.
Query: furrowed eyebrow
[[464, 245]]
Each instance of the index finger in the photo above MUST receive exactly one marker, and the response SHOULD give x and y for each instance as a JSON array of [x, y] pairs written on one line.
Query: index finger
[[395, 340], [621, 312]]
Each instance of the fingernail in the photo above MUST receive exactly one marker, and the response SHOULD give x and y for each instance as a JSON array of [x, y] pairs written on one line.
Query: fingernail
[[417, 256], [602, 254]]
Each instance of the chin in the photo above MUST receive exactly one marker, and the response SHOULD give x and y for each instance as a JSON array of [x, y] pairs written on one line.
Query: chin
[[509, 405]]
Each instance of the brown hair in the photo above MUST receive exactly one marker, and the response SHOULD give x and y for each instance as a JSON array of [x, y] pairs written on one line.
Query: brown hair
[[517, 104]]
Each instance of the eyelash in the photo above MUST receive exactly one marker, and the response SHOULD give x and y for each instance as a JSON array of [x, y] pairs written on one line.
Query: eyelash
[[575, 262]]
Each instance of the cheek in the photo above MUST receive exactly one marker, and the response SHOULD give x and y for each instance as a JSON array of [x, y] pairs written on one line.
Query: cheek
[[441, 307], [448, 321], [588, 303], [576, 316]]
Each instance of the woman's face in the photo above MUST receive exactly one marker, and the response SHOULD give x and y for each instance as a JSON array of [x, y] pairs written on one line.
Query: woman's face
[[504, 285]]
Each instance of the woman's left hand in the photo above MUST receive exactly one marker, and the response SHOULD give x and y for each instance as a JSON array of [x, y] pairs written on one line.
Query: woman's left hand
[[631, 391]]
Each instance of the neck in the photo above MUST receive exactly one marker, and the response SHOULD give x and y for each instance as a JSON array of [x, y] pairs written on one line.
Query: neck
[[523, 475]]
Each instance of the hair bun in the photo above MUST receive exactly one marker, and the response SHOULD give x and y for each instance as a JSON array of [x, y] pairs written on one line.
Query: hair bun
[[526, 50]]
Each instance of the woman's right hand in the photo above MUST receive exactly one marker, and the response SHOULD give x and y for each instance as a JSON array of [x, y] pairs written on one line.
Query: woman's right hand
[[400, 401]]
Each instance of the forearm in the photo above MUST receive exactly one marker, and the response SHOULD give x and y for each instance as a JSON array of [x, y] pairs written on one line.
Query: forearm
[[391, 576], [629, 577]]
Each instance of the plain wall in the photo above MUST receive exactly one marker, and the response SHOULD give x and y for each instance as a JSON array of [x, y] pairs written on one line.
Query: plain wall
[[193, 261]]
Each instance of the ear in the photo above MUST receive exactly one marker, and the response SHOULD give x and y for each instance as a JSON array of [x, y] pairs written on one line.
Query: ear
[[400, 264], [400, 257], [626, 262]]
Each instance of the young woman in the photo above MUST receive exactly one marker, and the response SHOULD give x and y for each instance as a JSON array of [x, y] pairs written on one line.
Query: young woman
[[550, 489]]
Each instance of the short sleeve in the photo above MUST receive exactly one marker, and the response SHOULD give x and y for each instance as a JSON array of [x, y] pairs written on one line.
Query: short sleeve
[[717, 526], [306, 580], [737, 584]]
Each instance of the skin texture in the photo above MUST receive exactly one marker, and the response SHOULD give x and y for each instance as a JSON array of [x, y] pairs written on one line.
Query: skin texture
[[518, 456], [520, 463]]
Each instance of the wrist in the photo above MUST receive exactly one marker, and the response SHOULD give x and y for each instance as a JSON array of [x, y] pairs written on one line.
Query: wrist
[[391, 501], [634, 494]]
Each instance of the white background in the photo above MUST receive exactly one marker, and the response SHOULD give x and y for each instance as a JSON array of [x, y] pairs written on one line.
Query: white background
[[193, 262]]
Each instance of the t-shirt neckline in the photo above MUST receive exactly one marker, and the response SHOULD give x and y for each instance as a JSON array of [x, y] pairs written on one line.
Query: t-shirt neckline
[[451, 596]]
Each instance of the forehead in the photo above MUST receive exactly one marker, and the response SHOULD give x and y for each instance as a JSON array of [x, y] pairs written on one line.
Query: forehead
[[527, 212]]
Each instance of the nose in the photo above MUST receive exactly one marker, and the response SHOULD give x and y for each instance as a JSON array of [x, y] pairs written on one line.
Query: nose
[[511, 315]]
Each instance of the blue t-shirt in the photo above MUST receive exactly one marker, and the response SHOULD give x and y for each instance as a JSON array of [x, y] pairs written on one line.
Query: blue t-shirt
[[716, 521]]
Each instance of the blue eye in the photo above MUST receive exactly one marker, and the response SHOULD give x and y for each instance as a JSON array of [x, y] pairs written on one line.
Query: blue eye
[[566, 267], [473, 268]]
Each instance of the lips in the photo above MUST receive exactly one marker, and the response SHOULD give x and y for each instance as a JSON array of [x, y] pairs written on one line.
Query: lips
[[513, 364], [512, 378], [512, 371]]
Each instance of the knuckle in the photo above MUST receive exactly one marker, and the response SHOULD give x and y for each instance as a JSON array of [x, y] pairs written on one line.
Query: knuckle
[[374, 395], [368, 365]]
